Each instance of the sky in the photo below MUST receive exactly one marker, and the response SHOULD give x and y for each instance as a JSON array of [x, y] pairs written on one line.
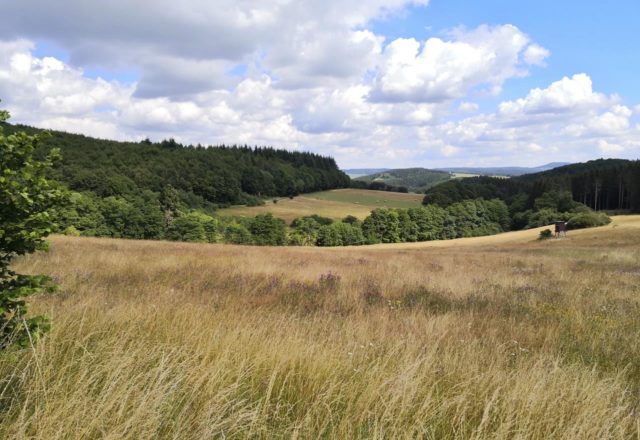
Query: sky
[[378, 83]]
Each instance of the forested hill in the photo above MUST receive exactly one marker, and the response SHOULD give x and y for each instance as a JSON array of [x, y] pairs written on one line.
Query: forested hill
[[603, 184], [414, 179], [203, 177]]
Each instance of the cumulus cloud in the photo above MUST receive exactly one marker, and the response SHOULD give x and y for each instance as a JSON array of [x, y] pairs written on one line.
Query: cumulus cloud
[[567, 95], [305, 74], [185, 47], [439, 70], [468, 107], [568, 118]]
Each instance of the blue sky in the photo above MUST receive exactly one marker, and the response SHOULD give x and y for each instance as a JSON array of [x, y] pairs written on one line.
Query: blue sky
[[583, 36], [373, 83]]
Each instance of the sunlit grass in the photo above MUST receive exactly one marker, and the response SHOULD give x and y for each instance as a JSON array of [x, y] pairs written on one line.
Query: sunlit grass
[[510, 339], [335, 204]]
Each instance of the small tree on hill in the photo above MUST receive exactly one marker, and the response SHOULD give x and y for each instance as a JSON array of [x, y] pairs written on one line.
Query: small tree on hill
[[28, 201]]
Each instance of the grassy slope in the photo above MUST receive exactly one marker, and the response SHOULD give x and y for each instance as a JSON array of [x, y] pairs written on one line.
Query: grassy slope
[[415, 179], [492, 337], [335, 204]]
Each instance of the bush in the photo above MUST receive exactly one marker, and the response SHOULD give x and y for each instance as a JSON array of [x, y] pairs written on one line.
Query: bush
[[71, 231], [545, 234], [588, 220], [545, 217]]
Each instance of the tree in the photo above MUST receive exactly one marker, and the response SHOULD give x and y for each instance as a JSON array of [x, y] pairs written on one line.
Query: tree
[[28, 201], [236, 233], [187, 227], [268, 230], [382, 226], [340, 234], [429, 221]]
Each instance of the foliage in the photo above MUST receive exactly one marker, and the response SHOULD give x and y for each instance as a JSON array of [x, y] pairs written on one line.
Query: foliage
[[588, 220], [201, 177], [545, 234], [604, 184], [237, 233], [305, 231], [28, 201], [340, 234], [382, 226], [473, 218], [268, 230], [194, 227]]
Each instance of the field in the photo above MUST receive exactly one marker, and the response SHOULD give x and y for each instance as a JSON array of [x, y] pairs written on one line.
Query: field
[[335, 204], [463, 175], [493, 337]]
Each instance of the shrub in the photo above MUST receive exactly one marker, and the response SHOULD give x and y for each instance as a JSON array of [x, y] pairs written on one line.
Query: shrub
[[545, 234], [588, 220], [71, 231], [544, 217]]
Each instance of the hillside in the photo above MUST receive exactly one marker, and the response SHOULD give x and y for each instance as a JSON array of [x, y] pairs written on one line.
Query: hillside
[[203, 177], [603, 184], [360, 172], [334, 204], [504, 171], [469, 338], [414, 179]]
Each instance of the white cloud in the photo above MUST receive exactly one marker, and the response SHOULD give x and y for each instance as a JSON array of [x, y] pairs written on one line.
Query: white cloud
[[535, 55], [183, 48], [609, 148], [317, 77], [449, 150], [567, 95], [536, 148], [468, 107], [441, 70]]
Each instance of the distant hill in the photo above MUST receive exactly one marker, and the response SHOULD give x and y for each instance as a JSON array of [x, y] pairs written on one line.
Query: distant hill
[[359, 172], [414, 179], [504, 171]]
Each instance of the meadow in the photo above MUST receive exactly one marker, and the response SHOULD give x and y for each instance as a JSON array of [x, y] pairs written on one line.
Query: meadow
[[495, 337], [335, 204]]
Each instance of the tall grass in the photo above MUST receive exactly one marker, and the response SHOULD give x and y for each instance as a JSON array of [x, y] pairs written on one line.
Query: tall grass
[[168, 340]]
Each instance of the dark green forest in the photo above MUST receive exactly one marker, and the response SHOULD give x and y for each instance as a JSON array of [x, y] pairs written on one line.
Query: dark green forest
[[204, 177], [600, 185]]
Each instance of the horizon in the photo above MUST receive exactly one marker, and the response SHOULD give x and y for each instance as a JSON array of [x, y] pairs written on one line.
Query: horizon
[[384, 83]]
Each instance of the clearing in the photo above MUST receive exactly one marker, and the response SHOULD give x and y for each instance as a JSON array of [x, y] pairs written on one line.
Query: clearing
[[335, 204]]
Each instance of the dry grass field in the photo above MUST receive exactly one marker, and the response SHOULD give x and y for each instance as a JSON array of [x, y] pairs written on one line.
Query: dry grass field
[[335, 204], [499, 337]]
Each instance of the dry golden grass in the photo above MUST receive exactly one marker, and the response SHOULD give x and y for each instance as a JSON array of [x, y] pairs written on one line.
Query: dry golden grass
[[335, 204], [503, 338]]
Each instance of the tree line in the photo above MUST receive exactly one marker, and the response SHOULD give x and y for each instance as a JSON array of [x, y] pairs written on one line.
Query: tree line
[[599, 185]]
